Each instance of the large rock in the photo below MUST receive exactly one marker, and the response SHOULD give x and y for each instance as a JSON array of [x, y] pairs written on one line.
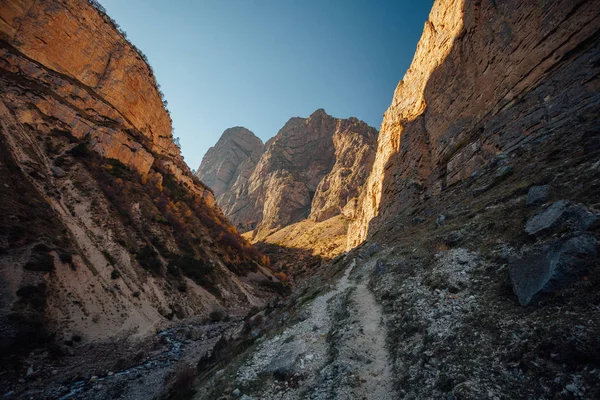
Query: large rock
[[560, 216], [487, 77], [552, 266]]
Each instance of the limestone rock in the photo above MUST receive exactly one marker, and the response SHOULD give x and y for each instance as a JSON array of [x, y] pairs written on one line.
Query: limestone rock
[[560, 215], [95, 184], [537, 195]]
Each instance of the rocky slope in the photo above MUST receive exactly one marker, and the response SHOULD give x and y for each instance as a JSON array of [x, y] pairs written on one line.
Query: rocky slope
[[313, 168], [104, 232]]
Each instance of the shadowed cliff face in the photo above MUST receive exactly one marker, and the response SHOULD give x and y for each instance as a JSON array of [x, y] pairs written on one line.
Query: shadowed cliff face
[[128, 239], [313, 168], [488, 78]]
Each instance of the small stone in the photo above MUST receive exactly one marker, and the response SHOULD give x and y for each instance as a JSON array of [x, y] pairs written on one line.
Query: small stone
[[236, 393], [58, 172], [504, 172], [537, 195], [380, 267], [571, 388], [453, 238], [440, 220], [479, 190], [93, 378], [30, 371], [110, 373], [309, 357]]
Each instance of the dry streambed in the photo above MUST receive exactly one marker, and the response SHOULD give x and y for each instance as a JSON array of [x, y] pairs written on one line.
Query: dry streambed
[[147, 376]]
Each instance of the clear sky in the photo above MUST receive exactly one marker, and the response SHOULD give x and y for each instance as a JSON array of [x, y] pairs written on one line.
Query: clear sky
[[257, 63]]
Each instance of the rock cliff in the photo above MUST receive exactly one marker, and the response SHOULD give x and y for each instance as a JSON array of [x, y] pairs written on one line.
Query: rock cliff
[[104, 231], [232, 159], [313, 168], [488, 79]]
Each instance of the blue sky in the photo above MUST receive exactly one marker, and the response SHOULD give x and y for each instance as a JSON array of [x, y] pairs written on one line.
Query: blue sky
[[257, 63]]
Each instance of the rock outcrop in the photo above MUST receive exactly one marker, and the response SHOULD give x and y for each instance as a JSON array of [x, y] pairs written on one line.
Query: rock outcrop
[[313, 168], [488, 79], [103, 228]]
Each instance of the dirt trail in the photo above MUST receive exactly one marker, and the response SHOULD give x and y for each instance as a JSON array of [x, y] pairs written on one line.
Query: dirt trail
[[368, 344], [336, 352]]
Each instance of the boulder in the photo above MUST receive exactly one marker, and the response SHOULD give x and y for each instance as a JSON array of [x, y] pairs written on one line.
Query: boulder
[[453, 238], [552, 266], [284, 364], [561, 215], [58, 172], [380, 267]]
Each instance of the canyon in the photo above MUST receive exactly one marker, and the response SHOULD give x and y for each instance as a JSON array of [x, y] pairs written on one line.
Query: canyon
[[451, 254]]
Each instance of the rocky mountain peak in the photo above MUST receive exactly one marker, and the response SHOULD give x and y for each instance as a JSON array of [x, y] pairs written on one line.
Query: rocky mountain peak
[[220, 166], [312, 167]]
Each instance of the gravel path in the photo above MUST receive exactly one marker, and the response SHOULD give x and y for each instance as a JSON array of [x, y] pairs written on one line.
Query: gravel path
[[336, 352]]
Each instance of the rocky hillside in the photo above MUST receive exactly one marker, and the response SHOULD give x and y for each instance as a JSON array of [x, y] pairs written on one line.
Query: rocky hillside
[[313, 168], [104, 231]]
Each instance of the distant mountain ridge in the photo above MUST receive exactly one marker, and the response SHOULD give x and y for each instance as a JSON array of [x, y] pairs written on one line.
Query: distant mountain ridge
[[312, 169]]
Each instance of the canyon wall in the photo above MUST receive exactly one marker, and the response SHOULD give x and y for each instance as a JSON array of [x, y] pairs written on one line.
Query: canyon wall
[[104, 231], [487, 78]]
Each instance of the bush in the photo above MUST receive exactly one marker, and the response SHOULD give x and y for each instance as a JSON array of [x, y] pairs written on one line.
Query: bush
[[147, 257], [81, 150], [115, 274], [216, 316]]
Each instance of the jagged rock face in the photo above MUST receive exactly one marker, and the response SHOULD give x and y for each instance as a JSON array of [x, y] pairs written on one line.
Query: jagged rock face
[[233, 157], [103, 228], [312, 167], [73, 39], [354, 144], [487, 78]]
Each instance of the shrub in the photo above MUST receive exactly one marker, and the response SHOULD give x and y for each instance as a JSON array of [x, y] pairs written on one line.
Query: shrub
[[147, 257], [81, 150], [115, 274], [216, 315]]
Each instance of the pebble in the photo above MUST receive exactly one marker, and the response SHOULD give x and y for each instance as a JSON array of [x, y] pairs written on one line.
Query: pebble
[[236, 393], [571, 388]]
